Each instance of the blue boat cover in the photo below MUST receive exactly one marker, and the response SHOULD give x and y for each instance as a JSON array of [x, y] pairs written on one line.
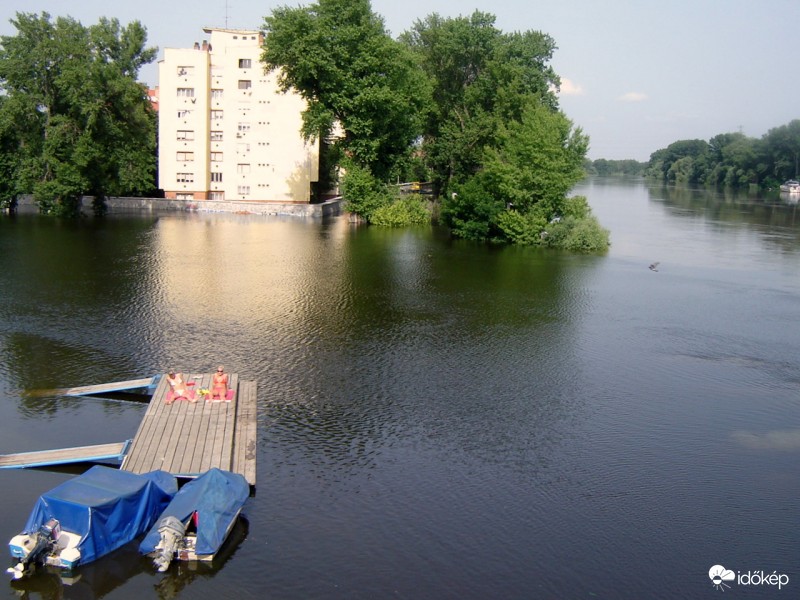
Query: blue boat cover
[[216, 496], [105, 506]]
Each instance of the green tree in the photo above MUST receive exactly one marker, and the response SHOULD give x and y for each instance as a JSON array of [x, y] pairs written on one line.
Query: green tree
[[783, 147], [534, 164], [694, 170], [338, 56], [481, 79], [85, 124]]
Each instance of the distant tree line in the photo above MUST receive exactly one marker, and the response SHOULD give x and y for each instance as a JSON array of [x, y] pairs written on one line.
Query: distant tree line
[[603, 167], [731, 159]]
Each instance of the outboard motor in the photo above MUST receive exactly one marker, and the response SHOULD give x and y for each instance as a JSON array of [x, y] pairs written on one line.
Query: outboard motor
[[172, 531], [38, 545]]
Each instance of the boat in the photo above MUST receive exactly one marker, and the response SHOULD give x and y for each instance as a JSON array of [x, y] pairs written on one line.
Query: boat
[[791, 186], [90, 516], [198, 520]]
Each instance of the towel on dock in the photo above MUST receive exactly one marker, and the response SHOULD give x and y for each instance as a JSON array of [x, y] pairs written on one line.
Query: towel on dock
[[228, 397], [171, 396]]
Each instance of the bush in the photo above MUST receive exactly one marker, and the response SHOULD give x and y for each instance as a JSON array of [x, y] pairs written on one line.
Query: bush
[[362, 193], [521, 229], [402, 213], [576, 206], [471, 211], [577, 235]]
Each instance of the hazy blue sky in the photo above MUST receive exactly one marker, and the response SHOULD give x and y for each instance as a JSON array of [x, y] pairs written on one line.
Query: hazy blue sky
[[637, 74]]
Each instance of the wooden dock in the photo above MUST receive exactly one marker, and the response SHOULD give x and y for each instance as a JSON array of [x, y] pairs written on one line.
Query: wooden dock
[[116, 386], [187, 439], [63, 456]]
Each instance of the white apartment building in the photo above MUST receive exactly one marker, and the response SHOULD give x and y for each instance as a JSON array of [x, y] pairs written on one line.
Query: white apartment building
[[225, 130]]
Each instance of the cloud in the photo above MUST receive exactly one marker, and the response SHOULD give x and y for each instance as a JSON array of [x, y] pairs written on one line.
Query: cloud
[[570, 88], [633, 97]]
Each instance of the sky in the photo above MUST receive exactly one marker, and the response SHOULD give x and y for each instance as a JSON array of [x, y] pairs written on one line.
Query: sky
[[636, 75]]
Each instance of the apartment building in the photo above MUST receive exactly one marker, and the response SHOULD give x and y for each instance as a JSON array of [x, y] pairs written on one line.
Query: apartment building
[[225, 130]]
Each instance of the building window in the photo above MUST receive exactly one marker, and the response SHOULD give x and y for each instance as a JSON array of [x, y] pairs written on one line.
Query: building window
[[185, 71], [216, 94], [184, 196], [242, 148], [216, 115], [185, 134], [216, 157], [244, 63], [216, 136], [185, 177], [245, 84], [216, 177], [217, 71], [185, 156], [216, 196], [184, 114], [185, 92], [243, 190], [244, 126], [243, 168]]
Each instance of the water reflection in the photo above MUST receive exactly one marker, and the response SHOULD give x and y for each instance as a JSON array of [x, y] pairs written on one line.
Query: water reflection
[[412, 331], [763, 210]]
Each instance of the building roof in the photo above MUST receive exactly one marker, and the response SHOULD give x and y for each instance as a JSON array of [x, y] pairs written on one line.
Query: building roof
[[224, 30]]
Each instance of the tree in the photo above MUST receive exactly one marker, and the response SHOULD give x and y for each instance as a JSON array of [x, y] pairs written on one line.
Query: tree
[[523, 181], [784, 147], [482, 78], [338, 56], [85, 124]]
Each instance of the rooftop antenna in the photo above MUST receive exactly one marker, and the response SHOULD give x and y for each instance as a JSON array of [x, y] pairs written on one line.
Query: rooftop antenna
[[226, 14]]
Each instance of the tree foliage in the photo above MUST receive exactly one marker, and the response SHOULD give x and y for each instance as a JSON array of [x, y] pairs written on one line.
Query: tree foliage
[[83, 123], [731, 159], [338, 56], [523, 183], [481, 79], [455, 97]]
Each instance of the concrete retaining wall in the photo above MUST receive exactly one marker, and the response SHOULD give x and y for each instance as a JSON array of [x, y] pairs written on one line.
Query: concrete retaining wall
[[288, 209]]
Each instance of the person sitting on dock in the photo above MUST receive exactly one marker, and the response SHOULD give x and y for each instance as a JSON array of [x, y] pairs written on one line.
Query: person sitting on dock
[[177, 387], [219, 384]]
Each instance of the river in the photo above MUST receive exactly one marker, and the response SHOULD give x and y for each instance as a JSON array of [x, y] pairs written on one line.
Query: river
[[437, 419]]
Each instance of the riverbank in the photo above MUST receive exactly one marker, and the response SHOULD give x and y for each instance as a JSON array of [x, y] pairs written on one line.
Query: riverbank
[[328, 208]]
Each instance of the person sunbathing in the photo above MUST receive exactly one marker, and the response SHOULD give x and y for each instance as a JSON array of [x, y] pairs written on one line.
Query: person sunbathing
[[177, 387], [219, 385]]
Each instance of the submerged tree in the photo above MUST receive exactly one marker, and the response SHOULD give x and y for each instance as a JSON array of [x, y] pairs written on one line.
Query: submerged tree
[[84, 125], [503, 154]]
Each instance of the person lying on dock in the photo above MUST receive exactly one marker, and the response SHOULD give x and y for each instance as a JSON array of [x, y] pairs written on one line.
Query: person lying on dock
[[219, 385], [178, 388]]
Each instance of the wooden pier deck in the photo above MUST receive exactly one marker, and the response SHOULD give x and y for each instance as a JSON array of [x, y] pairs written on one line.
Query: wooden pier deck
[[63, 456], [187, 439], [116, 386]]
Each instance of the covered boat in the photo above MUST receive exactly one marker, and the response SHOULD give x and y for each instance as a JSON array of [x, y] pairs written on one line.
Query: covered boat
[[198, 519], [89, 516]]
